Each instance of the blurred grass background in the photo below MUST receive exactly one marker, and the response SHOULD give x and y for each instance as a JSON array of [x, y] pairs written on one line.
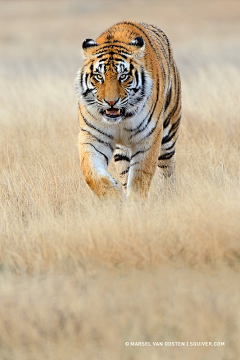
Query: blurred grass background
[[78, 277]]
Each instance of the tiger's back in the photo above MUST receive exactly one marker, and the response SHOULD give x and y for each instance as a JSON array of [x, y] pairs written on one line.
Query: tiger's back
[[130, 105]]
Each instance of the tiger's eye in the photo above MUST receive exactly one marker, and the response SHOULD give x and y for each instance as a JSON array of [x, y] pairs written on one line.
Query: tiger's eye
[[99, 77], [123, 77]]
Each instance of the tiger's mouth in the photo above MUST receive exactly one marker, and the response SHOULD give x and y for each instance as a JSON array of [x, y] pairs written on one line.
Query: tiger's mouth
[[113, 113]]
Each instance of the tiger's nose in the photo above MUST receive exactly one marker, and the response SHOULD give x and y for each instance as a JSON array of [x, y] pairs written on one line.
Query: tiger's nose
[[111, 102]]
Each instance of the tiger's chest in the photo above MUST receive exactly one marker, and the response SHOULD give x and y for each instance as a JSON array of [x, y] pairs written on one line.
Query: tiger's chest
[[134, 129]]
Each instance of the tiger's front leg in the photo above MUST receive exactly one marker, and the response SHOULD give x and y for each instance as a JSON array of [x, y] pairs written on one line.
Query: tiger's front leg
[[94, 158], [142, 168]]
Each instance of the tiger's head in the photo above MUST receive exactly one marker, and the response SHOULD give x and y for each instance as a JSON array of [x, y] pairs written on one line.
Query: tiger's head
[[113, 81]]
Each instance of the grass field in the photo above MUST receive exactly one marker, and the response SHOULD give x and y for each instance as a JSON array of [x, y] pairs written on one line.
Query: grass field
[[79, 278]]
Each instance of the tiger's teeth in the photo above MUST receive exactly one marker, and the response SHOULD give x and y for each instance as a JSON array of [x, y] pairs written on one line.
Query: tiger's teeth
[[113, 112]]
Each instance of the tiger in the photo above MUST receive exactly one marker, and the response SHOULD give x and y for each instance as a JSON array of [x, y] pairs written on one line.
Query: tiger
[[129, 108]]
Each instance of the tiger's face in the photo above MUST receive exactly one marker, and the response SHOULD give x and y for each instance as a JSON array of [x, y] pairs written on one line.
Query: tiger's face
[[112, 82]]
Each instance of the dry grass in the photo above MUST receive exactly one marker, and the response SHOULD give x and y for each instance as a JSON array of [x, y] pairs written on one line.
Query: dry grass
[[78, 277]]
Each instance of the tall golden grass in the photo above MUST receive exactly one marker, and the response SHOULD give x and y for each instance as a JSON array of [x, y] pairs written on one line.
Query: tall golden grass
[[80, 277]]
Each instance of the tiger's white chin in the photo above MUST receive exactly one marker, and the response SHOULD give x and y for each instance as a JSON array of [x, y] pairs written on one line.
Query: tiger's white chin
[[112, 120]]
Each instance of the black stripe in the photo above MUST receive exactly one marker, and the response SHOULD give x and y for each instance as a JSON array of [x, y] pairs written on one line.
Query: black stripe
[[168, 99], [85, 93], [81, 78], [120, 157], [176, 124], [113, 41], [139, 152], [137, 78], [112, 53], [166, 156], [86, 80], [99, 140], [105, 156], [131, 67], [170, 147], [174, 127], [151, 131], [125, 171], [143, 82], [93, 127], [171, 134], [135, 91], [136, 162], [168, 137], [120, 60]]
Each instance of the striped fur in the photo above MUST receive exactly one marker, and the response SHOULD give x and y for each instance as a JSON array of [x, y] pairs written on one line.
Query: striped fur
[[129, 108]]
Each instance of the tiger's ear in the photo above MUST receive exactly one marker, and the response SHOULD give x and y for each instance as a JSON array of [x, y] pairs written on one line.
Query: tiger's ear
[[139, 46], [86, 46]]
